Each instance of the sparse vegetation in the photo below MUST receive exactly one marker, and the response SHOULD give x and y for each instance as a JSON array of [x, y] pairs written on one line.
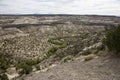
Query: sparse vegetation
[[53, 49], [66, 59], [24, 68], [33, 61], [55, 41]]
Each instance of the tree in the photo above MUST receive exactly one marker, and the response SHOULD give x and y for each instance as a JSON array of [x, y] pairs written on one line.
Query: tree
[[113, 39]]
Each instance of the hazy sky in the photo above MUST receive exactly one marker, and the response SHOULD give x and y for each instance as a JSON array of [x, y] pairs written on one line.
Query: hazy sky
[[102, 7]]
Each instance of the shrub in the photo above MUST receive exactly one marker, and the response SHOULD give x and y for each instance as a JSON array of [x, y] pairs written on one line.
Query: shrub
[[66, 59], [32, 62], [25, 68], [63, 45], [37, 67], [87, 52], [53, 49], [55, 41], [3, 63], [3, 77], [113, 39]]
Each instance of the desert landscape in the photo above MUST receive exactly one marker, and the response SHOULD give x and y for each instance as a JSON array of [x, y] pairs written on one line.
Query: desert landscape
[[58, 47]]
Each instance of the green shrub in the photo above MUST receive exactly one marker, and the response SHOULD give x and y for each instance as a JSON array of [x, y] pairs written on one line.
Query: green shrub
[[3, 63], [66, 59], [53, 49], [30, 62], [113, 39], [37, 67], [59, 45], [55, 41], [63, 45], [24, 68], [3, 77], [87, 52]]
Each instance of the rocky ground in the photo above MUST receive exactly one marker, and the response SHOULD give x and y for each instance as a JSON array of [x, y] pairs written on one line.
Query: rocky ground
[[100, 68]]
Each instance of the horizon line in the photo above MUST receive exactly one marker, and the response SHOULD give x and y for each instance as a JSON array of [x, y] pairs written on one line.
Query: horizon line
[[20, 14]]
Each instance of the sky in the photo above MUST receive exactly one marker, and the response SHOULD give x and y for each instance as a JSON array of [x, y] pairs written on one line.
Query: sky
[[94, 7]]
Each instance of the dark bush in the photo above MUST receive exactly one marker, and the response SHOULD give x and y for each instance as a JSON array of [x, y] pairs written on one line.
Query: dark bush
[[3, 63], [24, 68], [113, 39], [3, 77]]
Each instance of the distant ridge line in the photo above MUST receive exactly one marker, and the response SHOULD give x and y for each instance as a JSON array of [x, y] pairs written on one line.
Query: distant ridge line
[[56, 15]]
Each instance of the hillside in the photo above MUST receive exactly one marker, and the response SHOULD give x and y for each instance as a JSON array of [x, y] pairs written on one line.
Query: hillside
[[52, 39]]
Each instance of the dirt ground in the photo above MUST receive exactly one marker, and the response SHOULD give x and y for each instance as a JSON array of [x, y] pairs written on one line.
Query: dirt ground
[[101, 68]]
